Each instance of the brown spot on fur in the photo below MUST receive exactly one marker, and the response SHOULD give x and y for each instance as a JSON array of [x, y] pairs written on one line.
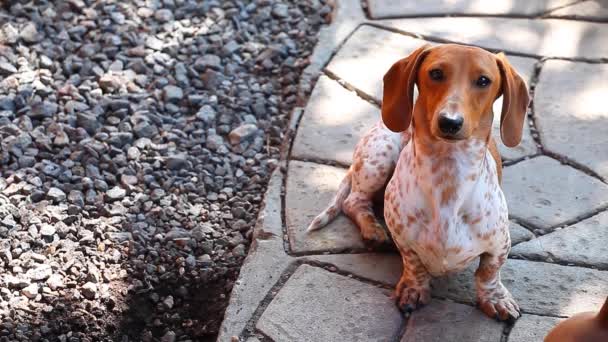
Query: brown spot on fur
[[411, 219], [485, 273], [435, 167], [358, 165], [447, 194]]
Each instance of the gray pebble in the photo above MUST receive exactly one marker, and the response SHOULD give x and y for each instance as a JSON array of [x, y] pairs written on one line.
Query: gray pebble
[[116, 193], [172, 93], [55, 194]]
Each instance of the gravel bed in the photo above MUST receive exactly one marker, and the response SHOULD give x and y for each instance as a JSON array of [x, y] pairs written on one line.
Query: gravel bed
[[137, 138]]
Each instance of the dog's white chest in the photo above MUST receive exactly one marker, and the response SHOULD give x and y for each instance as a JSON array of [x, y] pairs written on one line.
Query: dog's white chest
[[447, 216]]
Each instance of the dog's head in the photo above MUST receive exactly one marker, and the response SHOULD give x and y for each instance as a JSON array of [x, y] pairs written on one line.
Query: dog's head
[[457, 87]]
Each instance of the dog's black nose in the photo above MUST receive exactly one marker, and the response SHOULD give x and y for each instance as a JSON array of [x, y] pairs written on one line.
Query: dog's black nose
[[450, 124]]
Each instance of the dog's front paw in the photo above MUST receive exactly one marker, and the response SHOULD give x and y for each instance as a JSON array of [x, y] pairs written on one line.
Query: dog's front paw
[[499, 304], [412, 298]]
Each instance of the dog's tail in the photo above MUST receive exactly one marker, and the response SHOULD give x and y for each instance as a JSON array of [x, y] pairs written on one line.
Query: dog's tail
[[334, 208]]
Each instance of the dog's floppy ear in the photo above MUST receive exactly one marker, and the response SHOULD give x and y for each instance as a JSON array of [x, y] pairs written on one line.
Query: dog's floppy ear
[[398, 98], [515, 100]]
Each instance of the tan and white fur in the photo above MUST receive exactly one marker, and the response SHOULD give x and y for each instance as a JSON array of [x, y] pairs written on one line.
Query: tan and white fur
[[443, 204]]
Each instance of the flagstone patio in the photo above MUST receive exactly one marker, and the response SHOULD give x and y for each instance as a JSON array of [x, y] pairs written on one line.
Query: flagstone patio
[[327, 286]]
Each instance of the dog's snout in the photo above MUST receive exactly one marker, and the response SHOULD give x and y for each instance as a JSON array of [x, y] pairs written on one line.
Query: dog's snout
[[450, 123]]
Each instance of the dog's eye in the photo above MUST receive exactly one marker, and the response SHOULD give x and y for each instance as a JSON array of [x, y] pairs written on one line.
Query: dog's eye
[[436, 74], [483, 82]]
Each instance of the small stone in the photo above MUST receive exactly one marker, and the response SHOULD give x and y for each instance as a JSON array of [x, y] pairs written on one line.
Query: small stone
[[110, 83], [154, 43], [27, 161], [116, 193], [7, 103], [40, 272], [214, 142], [239, 250], [55, 194], [51, 169], [280, 11], [46, 62], [206, 114], [208, 61], [31, 291], [145, 12], [173, 93], [76, 197], [89, 290], [169, 336], [230, 47], [128, 179], [168, 302], [43, 110], [177, 162], [133, 153], [177, 233], [37, 195], [163, 15], [205, 260], [88, 122], [47, 230], [7, 69], [55, 281], [16, 282], [144, 129], [118, 17], [121, 236], [242, 133], [29, 33], [8, 34]]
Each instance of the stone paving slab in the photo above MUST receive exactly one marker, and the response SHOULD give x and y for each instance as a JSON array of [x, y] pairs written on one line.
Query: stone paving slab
[[571, 112], [552, 197], [585, 243], [378, 49], [333, 122], [371, 52], [588, 10], [532, 328], [317, 305], [547, 37], [310, 188], [539, 288], [383, 268], [442, 321], [518, 233], [263, 266], [409, 8]]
